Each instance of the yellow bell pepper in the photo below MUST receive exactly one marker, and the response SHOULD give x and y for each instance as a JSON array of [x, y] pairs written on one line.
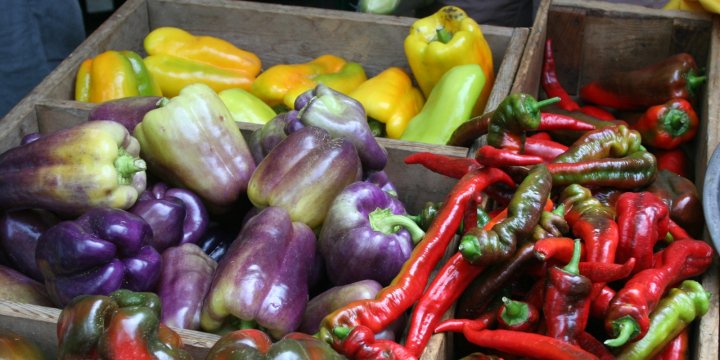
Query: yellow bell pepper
[[246, 107], [443, 40], [177, 58], [282, 83], [391, 98], [114, 75]]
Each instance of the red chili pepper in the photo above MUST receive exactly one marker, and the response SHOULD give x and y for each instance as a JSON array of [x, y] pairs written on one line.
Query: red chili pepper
[[517, 315], [543, 135], [673, 77], [589, 343], [491, 156], [486, 320], [643, 219], [674, 160], [677, 232], [601, 302], [668, 125], [677, 349], [628, 316], [359, 343], [567, 300], [553, 121], [600, 272], [550, 83], [556, 248], [547, 149], [408, 285], [454, 167], [526, 344]]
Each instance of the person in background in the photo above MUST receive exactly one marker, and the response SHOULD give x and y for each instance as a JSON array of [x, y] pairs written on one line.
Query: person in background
[[35, 36]]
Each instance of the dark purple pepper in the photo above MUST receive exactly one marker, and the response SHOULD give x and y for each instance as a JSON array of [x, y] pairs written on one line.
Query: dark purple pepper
[[366, 235], [19, 234], [343, 116], [216, 240], [176, 215], [103, 250], [381, 179], [184, 281], [127, 111]]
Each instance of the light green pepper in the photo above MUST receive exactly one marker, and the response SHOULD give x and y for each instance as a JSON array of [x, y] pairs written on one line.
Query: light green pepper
[[246, 107]]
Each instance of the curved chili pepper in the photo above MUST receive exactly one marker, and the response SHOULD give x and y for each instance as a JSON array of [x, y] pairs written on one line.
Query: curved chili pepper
[[359, 343], [547, 149], [589, 343], [526, 344], [628, 316], [552, 121], [601, 272], [601, 302], [677, 349], [567, 300], [672, 77], [668, 125], [551, 224], [491, 156], [480, 246], [516, 114], [447, 286], [568, 136], [643, 219], [408, 285], [517, 315], [550, 82], [557, 248], [454, 167], [677, 232], [674, 160]]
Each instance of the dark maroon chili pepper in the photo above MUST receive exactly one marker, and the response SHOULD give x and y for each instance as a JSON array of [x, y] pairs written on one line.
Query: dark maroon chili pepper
[[454, 167], [683, 198], [628, 316], [517, 315], [592, 345], [567, 300]]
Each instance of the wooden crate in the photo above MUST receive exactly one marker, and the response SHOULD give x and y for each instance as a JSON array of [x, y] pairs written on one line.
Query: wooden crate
[[591, 38], [277, 34]]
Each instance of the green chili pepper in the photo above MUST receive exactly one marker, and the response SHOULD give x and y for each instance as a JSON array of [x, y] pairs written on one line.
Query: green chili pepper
[[516, 114]]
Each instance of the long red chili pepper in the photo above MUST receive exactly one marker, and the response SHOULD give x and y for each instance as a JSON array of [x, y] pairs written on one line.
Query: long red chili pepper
[[550, 83], [628, 316], [547, 149], [677, 231], [359, 343], [677, 349], [597, 112], [408, 285], [454, 167], [567, 300], [526, 344], [643, 219], [553, 121], [491, 156], [559, 248]]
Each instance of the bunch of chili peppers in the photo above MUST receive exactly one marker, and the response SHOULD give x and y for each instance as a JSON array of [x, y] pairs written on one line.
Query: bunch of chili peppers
[[581, 257]]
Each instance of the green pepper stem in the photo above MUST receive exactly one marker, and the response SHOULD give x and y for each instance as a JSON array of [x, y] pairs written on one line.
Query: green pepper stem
[[443, 35], [573, 267], [514, 312], [693, 81], [626, 328], [470, 248], [676, 122], [341, 332], [127, 165], [546, 102], [559, 210], [384, 221]]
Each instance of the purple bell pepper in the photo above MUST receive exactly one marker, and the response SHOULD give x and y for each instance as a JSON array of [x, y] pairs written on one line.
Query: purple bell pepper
[[366, 235], [105, 249], [176, 215], [19, 234], [127, 111], [304, 173], [381, 179], [264, 276], [184, 281], [264, 139], [343, 116]]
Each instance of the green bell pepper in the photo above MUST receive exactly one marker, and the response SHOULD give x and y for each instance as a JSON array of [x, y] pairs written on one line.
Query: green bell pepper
[[246, 107], [450, 104]]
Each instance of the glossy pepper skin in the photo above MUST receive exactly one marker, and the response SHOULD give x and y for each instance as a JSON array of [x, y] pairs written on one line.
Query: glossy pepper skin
[[16, 347], [643, 219], [515, 115], [366, 235], [390, 98], [517, 315], [343, 116], [673, 77], [246, 107], [668, 125], [264, 276], [103, 250], [19, 234], [281, 84], [177, 216], [121, 325], [304, 173], [674, 313], [177, 58], [185, 279], [334, 298], [128, 111], [93, 164], [264, 139], [610, 156], [683, 198], [443, 40], [448, 105], [192, 142], [114, 75], [255, 344]]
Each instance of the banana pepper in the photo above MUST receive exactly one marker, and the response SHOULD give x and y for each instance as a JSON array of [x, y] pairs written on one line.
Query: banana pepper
[[283, 83], [177, 58], [443, 40], [390, 98], [114, 75]]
